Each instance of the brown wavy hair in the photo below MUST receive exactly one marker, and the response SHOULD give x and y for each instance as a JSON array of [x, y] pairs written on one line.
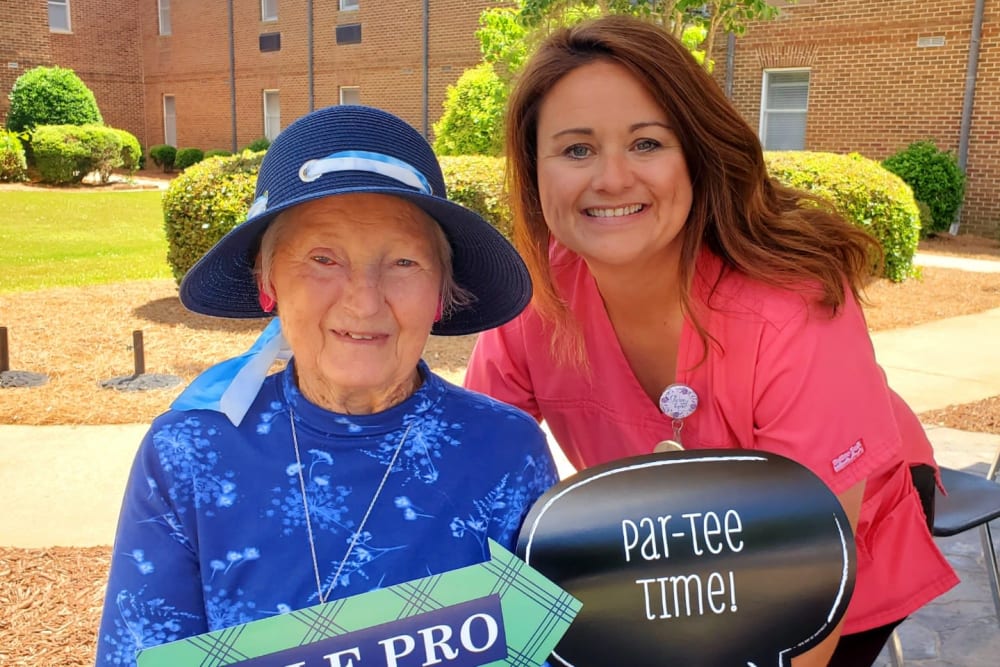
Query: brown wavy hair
[[756, 225]]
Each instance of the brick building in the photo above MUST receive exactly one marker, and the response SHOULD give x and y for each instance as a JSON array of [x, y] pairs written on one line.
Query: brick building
[[221, 74], [872, 77], [830, 75]]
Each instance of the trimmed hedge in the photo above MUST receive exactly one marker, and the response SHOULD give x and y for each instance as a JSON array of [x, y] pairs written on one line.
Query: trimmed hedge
[[51, 96], [936, 180], [209, 199], [131, 154], [188, 156], [217, 152], [476, 181], [867, 194], [13, 166], [163, 156], [67, 153], [205, 202]]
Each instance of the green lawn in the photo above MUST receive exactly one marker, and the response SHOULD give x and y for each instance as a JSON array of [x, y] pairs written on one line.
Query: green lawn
[[53, 238]]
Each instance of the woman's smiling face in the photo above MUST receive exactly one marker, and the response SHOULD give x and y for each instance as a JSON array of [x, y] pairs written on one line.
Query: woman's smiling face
[[357, 279], [612, 178]]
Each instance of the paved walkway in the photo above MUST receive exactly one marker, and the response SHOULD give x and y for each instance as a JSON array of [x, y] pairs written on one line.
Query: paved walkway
[[73, 476]]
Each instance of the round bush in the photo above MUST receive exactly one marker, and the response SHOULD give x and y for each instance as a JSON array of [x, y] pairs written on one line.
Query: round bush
[[217, 152], [131, 150], [473, 114], [187, 157], [51, 96], [257, 145], [13, 166], [868, 195], [163, 156], [67, 153], [205, 202], [936, 180]]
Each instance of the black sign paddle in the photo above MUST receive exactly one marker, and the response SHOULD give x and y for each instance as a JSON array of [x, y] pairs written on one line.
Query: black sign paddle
[[715, 558]]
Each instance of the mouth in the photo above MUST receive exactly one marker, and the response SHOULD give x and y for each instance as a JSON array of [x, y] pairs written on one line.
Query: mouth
[[355, 335], [615, 212]]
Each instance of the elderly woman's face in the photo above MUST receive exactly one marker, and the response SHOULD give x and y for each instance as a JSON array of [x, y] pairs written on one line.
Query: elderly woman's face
[[357, 280]]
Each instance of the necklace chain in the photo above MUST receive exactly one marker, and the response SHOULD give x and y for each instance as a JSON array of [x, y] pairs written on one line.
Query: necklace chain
[[357, 533]]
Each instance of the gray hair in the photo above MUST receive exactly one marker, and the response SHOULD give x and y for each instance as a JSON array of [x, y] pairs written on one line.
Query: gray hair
[[453, 296]]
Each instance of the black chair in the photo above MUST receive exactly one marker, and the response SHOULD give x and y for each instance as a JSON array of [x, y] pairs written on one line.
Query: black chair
[[972, 501]]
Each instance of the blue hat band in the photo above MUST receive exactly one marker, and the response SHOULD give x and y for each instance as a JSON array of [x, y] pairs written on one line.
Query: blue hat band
[[374, 163]]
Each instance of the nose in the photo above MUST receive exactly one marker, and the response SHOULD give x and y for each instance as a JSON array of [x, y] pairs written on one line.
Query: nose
[[614, 173], [363, 295]]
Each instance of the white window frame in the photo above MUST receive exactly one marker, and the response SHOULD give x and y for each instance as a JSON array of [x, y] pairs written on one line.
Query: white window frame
[[69, 24], [170, 121], [163, 17], [268, 10], [268, 119], [345, 88], [764, 111], [349, 5]]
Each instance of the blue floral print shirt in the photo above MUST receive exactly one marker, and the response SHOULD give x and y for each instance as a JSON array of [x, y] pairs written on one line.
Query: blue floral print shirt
[[212, 531]]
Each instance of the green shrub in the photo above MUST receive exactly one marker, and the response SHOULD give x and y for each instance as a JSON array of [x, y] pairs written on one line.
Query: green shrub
[[67, 153], [258, 145], [131, 150], [163, 156], [51, 96], [476, 181], [936, 180], [473, 114], [187, 157], [867, 194], [217, 152], [205, 202], [13, 166]]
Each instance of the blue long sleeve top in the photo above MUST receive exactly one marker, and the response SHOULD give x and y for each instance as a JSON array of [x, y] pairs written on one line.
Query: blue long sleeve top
[[213, 531]]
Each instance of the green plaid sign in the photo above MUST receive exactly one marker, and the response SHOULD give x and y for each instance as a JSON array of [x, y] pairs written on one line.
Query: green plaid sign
[[451, 618]]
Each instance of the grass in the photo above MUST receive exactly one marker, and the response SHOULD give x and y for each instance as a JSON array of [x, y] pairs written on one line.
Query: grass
[[72, 238]]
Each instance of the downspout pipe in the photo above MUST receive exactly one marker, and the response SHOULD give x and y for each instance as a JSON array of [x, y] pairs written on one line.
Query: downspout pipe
[[971, 74], [427, 67], [730, 62], [309, 55], [232, 75]]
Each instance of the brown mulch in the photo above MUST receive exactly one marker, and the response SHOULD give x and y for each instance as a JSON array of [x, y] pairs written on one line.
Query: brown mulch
[[50, 599]]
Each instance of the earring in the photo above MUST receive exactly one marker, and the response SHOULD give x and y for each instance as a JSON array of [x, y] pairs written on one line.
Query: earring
[[267, 302]]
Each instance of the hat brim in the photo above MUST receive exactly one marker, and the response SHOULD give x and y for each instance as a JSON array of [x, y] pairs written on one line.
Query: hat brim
[[222, 282]]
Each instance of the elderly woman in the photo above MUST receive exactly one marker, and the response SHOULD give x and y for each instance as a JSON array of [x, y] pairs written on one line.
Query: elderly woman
[[354, 467]]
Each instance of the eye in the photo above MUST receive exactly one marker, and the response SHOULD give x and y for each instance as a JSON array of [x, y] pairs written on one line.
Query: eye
[[405, 262], [647, 145], [577, 151], [323, 259]]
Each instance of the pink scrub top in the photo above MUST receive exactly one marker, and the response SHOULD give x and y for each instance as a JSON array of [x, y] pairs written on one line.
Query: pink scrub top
[[780, 376]]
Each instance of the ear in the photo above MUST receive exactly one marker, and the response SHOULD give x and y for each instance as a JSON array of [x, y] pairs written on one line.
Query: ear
[[440, 310], [267, 302]]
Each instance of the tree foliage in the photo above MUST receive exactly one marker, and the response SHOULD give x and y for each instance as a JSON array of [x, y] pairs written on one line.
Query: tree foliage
[[51, 96], [473, 114]]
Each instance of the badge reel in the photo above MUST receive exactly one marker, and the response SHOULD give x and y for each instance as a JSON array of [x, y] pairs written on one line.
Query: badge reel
[[678, 401]]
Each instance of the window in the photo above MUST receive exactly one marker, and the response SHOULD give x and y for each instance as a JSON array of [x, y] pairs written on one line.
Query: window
[[348, 5], [169, 121], [350, 95], [349, 34], [270, 41], [268, 10], [59, 16], [163, 7], [784, 102], [272, 114]]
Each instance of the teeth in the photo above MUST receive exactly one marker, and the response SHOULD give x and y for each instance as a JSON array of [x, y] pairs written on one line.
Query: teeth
[[614, 212], [359, 336]]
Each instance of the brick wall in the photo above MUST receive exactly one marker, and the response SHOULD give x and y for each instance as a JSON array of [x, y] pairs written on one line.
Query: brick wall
[[24, 43], [873, 90], [192, 64]]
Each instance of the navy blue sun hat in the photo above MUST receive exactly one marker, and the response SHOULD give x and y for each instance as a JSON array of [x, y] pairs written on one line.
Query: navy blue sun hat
[[344, 149]]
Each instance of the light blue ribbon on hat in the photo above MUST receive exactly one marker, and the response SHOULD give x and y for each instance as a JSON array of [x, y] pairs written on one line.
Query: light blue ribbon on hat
[[232, 386], [375, 163]]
